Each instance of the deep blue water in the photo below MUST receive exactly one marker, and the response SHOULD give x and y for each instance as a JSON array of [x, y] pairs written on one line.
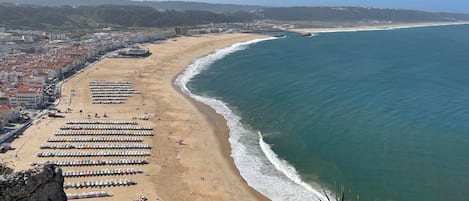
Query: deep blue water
[[384, 113]]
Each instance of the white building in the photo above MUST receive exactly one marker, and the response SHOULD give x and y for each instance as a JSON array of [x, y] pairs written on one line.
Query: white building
[[31, 97]]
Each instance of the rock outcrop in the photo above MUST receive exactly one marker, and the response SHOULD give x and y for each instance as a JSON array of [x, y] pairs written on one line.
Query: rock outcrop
[[42, 183]]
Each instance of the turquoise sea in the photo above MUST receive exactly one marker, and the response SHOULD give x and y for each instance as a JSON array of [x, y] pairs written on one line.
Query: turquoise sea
[[383, 113]]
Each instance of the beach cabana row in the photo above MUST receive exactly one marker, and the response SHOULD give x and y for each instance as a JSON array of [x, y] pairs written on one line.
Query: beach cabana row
[[97, 84], [110, 95], [94, 162], [101, 172], [129, 90], [109, 82], [87, 133], [107, 86], [106, 82], [107, 102], [110, 86], [101, 86], [124, 87], [75, 196], [95, 146], [93, 154], [109, 99], [100, 183], [110, 127], [88, 121], [116, 92], [141, 118], [102, 139]]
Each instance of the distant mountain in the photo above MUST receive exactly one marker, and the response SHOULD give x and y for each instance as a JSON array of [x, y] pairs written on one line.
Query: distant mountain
[[355, 14], [161, 5]]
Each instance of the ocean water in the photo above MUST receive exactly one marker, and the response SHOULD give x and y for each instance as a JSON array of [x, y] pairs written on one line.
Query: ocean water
[[383, 113]]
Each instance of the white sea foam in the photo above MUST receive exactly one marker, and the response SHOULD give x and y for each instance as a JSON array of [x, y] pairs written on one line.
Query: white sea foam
[[258, 164]]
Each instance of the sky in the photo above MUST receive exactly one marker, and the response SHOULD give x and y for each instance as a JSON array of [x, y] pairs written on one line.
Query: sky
[[458, 6]]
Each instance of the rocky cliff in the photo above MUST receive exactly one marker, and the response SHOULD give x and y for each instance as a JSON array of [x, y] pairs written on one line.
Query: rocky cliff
[[42, 183]]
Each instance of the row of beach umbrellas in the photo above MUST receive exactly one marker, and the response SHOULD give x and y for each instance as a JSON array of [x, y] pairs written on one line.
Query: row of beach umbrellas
[[141, 118], [101, 172], [111, 92], [75, 196], [107, 102], [106, 92], [114, 89], [122, 133], [109, 99], [122, 161], [115, 92], [95, 146], [88, 121], [109, 82], [100, 183], [93, 139], [93, 154], [111, 87], [110, 95], [107, 127]]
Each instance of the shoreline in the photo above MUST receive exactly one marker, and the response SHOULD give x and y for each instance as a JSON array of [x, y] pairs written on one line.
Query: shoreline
[[219, 125], [380, 27], [199, 169], [249, 166]]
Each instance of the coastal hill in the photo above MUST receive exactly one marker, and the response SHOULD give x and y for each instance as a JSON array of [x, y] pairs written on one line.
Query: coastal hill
[[160, 5], [64, 14], [350, 14], [41, 17]]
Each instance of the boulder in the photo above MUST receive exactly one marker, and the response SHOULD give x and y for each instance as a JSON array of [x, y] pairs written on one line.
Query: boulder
[[41, 183]]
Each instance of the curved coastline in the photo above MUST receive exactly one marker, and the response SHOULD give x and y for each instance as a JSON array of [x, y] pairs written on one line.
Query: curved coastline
[[218, 121], [223, 133], [374, 27], [282, 182], [198, 169]]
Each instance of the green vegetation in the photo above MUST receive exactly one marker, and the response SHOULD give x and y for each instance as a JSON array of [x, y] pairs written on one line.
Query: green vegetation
[[161, 5], [126, 14], [107, 15]]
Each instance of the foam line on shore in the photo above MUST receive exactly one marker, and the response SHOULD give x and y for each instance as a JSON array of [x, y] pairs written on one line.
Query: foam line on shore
[[257, 163], [286, 168]]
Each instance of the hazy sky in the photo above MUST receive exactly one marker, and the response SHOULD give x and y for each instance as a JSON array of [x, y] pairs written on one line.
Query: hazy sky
[[461, 6]]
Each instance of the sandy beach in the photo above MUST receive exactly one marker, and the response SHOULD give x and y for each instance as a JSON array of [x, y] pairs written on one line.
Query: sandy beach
[[200, 168], [373, 27]]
